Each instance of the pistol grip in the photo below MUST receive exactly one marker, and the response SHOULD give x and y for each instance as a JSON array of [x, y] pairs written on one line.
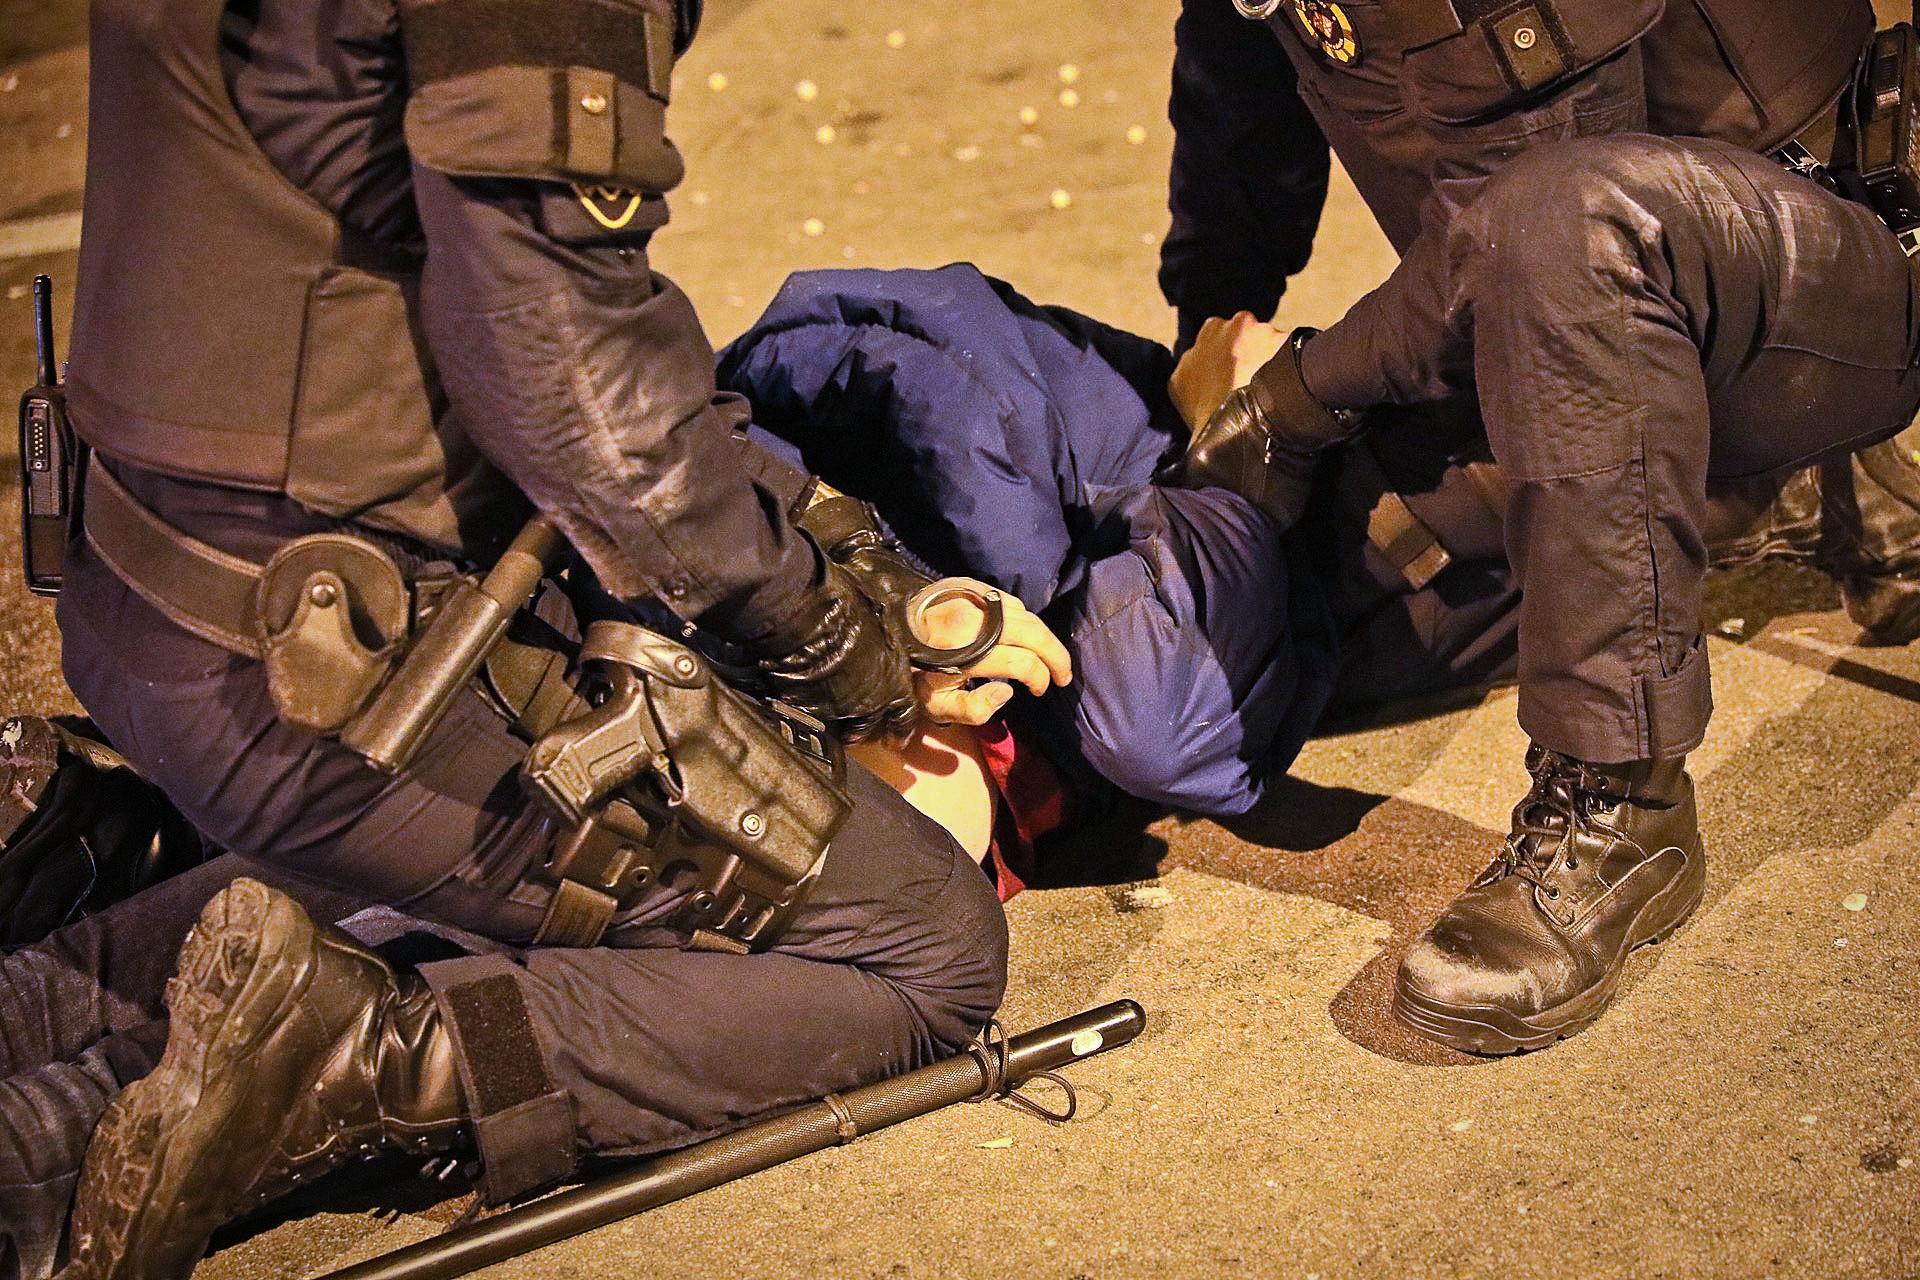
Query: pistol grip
[[582, 762]]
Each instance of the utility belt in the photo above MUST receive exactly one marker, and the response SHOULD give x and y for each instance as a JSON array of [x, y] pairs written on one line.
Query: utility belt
[[656, 772], [1866, 148]]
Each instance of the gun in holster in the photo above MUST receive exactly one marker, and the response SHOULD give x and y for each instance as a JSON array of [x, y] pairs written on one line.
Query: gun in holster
[[668, 777], [672, 778], [50, 459]]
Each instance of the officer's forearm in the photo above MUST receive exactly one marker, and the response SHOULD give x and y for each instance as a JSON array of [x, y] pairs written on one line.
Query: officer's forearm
[[586, 379], [1401, 344], [1249, 171]]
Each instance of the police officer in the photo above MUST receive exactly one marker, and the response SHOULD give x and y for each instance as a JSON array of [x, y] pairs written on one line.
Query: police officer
[[1598, 248], [381, 270]]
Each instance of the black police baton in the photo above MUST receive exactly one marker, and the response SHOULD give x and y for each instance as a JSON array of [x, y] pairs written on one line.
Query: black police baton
[[996, 1069]]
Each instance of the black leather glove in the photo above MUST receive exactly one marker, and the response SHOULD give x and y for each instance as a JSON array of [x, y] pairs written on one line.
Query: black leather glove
[[835, 659], [850, 533], [1264, 441]]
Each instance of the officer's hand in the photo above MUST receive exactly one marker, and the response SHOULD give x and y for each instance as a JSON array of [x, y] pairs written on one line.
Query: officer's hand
[[836, 660], [1264, 441], [1028, 654], [1224, 356]]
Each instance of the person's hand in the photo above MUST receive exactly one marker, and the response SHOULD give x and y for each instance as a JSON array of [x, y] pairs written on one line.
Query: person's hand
[[1223, 358], [1029, 654]]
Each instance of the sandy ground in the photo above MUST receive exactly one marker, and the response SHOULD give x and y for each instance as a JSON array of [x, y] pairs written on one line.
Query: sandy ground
[[1750, 1107]]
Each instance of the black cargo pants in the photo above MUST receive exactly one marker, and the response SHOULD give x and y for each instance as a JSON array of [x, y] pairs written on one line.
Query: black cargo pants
[[1641, 315], [898, 957]]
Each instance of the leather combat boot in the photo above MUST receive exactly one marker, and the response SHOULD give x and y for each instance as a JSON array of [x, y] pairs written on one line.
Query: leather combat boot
[[1602, 859], [1877, 498], [1855, 518], [291, 1049]]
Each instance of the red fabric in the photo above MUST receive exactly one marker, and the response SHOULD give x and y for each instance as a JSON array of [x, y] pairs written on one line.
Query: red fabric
[[1033, 799]]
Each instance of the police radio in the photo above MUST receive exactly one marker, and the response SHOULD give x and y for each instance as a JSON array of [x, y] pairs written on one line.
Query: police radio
[[50, 458]]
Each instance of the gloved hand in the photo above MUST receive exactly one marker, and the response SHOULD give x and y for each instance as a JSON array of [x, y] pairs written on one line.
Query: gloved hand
[[835, 659], [1264, 441], [850, 533]]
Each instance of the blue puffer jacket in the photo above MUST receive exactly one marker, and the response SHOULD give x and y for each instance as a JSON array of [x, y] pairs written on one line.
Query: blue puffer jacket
[[1017, 443]]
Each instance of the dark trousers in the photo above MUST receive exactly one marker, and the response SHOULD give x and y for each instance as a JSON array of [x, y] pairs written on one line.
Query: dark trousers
[[1639, 315], [897, 959]]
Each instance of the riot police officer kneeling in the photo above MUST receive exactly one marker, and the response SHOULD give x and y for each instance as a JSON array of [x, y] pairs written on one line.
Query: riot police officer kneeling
[[357, 294]]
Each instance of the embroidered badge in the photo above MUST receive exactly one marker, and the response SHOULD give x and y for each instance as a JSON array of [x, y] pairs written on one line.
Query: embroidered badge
[[611, 207], [1327, 25]]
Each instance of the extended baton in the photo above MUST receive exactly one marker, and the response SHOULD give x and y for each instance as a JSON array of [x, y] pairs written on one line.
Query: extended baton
[[837, 1119]]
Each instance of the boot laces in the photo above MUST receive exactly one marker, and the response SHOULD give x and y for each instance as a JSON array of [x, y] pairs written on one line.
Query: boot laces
[[1558, 807]]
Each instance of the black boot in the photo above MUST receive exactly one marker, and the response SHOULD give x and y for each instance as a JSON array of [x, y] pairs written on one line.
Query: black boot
[[1601, 860], [291, 1049], [1877, 497]]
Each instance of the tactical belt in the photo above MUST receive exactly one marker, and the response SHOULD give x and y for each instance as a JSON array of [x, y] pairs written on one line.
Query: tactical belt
[[667, 778]]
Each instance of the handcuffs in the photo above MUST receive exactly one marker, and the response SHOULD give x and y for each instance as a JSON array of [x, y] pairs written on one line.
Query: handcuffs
[[923, 653]]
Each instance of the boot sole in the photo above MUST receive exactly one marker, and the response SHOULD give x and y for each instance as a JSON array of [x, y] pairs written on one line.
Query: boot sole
[[240, 970], [1494, 1032]]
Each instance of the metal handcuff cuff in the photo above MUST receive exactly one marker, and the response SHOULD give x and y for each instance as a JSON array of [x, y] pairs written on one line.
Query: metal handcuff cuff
[[915, 613]]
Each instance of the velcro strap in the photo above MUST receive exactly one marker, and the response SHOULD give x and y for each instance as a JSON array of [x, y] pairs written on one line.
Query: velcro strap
[[449, 38], [576, 917], [199, 588], [1405, 541]]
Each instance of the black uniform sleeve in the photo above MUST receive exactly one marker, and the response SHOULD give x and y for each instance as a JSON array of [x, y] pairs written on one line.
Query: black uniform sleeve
[[540, 163], [1249, 172], [1499, 80]]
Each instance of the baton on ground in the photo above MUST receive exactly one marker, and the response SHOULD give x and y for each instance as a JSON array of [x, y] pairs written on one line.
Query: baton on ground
[[837, 1119]]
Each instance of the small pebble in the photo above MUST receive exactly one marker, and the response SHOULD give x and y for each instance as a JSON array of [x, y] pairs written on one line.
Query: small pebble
[[64, 131], [996, 1144], [824, 134], [9, 84], [1069, 73], [1809, 1120], [1061, 198], [1069, 98], [1734, 627], [896, 39], [1146, 897], [1136, 134], [966, 154], [1854, 902], [1029, 117], [1904, 1162], [16, 292], [1460, 1126], [717, 82], [814, 227], [1840, 942], [806, 90]]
